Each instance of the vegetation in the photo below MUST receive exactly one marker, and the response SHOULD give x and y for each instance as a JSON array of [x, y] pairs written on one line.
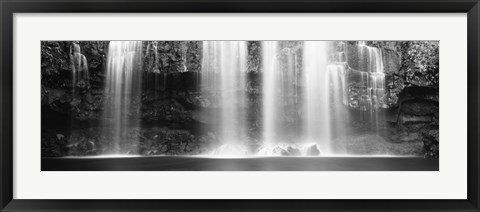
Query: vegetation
[[420, 61]]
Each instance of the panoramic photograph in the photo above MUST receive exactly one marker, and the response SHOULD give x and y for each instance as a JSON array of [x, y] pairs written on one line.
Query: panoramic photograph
[[355, 105]]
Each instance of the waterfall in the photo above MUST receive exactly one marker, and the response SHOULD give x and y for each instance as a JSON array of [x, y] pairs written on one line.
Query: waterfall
[[224, 68], [79, 66], [122, 89], [373, 80], [183, 56], [317, 105], [280, 98], [271, 86], [326, 90], [152, 58], [338, 101], [320, 89], [339, 92]]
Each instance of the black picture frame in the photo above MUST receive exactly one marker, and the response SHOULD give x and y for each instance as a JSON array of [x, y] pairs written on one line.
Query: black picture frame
[[9, 7]]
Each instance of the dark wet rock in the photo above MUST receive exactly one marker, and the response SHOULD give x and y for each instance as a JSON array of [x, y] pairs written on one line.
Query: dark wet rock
[[53, 145], [280, 151], [406, 119], [175, 81], [400, 137], [419, 93], [419, 107], [430, 137], [293, 151], [86, 106], [144, 141], [167, 110], [418, 114], [394, 85], [431, 133], [167, 141]]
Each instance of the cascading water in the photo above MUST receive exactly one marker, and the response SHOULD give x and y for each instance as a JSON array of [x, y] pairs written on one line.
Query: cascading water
[[183, 56], [224, 68], [79, 66], [373, 79], [123, 84], [152, 57], [317, 107], [282, 101], [338, 71], [322, 96], [271, 78], [238, 98]]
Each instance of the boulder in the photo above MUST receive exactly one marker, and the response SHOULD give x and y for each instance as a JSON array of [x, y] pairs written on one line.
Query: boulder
[[286, 151], [313, 150], [293, 151], [279, 151]]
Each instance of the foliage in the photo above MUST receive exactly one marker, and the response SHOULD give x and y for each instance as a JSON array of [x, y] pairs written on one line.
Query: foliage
[[420, 62], [50, 53], [55, 63]]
